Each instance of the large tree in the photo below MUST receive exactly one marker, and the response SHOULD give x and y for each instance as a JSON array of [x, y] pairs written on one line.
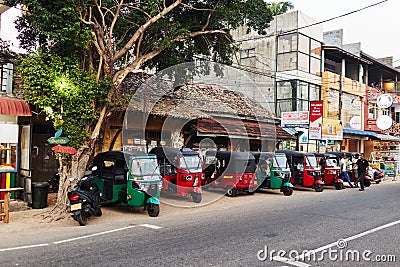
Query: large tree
[[97, 43]]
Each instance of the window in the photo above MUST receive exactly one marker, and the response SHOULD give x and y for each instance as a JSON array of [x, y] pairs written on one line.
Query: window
[[295, 95], [247, 53], [298, 51], [372, 110], [287, 43], [304, 62], [315, 50], [304, 44], [287, 61]]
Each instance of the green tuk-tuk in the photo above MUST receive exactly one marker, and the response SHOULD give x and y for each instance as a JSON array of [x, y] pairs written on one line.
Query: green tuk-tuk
[[273, 172], [136, 184]]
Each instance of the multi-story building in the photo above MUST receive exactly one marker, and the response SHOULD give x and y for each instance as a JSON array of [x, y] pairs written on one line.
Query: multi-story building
[[295, 63]]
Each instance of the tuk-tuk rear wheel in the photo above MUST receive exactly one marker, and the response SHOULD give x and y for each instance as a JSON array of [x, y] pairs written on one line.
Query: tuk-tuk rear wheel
[[196, 197], [153, 210], [319, 187], [230, 191], [339, 186], [287, 191]]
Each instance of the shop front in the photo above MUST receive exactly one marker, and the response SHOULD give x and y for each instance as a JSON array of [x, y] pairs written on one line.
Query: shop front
[[13, 141]]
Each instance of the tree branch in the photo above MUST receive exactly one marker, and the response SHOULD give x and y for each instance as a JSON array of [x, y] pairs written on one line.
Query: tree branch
[[142, 29]]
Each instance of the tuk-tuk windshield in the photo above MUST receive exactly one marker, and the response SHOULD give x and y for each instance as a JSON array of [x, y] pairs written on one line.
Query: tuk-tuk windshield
[[311, 161], [279, 162], [142, 167], [331, 162], [190, 162]]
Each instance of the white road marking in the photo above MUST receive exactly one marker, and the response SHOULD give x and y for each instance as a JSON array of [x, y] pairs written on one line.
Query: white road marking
[[290, 261], [92, 235], [151, 226], [23, 247]]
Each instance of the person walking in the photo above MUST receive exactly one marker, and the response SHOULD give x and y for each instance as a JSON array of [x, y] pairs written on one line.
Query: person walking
[[362, 166], [345, 175]]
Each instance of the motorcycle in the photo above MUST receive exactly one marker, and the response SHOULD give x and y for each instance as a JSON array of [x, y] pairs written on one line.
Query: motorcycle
[[85, 201], [377, 174]]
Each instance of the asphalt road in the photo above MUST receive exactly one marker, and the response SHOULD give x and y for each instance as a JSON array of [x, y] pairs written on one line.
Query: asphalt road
[[241, 231]]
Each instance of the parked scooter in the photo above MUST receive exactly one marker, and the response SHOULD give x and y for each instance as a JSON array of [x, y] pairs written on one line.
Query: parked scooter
[[376, 173], [85, 201]]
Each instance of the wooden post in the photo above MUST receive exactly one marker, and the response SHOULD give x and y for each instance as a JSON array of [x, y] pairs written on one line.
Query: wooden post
[[7, 198], [7, 207]]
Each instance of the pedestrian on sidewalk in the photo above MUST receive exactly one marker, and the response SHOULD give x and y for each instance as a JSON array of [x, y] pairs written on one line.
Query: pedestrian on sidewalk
[[362, 166], [345, 175]]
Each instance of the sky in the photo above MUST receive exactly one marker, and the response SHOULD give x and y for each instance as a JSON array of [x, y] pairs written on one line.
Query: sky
[[377, 28]]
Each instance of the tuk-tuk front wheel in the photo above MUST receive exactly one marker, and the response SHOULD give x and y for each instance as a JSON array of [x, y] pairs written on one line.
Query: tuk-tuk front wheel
[[319, 187], [230, 191], [287, 191], [339, 186], [153, 210], [196, 197]]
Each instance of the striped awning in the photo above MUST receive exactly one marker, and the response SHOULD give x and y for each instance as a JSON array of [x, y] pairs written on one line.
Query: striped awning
[[14, 107]]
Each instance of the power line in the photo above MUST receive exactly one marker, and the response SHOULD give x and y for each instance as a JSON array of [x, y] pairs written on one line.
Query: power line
[[333, 18]]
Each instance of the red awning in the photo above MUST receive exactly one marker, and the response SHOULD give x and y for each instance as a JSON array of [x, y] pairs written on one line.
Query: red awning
[[14, 107], [242, 128]]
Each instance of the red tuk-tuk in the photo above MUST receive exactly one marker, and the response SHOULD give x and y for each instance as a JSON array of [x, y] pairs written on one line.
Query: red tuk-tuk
[[304, 170], [181, 171], [330, 169], [233, 171], [352, 158]]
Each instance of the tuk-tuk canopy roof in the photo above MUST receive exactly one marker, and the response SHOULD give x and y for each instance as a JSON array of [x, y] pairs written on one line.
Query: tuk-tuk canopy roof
[[118, 154], [240, 156], [348, 154], [291, 153], [262, 155], [171, 152]]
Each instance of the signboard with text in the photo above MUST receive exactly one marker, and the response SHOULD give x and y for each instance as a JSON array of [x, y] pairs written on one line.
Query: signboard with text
[[332, 129], [295, 119], [316, 113]]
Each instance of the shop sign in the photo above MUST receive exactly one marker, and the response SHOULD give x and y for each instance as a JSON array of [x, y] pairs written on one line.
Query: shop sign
[[9, 133], [384, 101], [295, 119], [355, 102], [316, 112], [303, 138], [64, 149], [58, 140], [384, 122], [332, 129], [355, 122]]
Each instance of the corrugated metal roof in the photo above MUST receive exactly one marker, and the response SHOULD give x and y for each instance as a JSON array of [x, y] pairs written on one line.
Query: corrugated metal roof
[[14, 107], [225, 126]]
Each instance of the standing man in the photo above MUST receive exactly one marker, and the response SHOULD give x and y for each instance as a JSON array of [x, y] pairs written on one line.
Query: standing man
[[362, 165], [345, 175]]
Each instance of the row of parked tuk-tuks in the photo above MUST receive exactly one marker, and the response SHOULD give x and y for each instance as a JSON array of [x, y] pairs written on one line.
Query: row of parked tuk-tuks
[[136, 179]]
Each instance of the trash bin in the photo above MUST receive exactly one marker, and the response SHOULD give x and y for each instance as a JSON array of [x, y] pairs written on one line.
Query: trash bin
[[39, 195]]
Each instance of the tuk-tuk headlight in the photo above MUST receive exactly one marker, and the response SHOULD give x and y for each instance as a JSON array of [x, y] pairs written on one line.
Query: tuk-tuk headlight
[[196, 182], [187, 178]]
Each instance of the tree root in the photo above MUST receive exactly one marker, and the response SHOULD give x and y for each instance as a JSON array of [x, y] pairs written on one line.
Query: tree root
[[56, 214]]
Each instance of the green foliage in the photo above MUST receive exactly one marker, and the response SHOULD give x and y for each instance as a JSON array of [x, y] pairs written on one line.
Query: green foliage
[[67, 94]]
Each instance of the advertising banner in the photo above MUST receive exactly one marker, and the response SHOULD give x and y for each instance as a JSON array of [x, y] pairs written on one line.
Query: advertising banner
[[295, 119], [316, 113], [332, 129]]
